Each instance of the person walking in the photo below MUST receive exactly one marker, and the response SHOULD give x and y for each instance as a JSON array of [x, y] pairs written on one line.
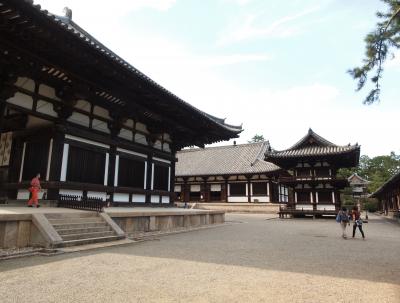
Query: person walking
[[35, 189], [343, 218], [357, 221]]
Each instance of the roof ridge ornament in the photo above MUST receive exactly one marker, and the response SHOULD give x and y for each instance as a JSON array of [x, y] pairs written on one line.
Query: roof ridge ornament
[[67, 13]]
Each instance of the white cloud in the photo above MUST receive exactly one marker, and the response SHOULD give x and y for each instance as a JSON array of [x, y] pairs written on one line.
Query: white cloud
[[282, 115], [238, 2], [283, 27]]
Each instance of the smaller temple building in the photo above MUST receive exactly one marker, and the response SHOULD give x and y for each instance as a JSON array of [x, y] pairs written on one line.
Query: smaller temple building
[[233, 173], [358, 186], [312, 164], [388, 196]]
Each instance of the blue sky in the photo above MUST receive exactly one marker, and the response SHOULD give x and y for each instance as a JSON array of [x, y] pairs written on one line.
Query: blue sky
[[278, 67]]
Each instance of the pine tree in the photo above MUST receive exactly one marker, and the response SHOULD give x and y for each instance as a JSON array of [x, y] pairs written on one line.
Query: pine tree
[[380, 45]]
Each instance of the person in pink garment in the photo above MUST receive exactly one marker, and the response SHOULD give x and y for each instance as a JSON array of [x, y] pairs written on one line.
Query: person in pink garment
[[35, 189]]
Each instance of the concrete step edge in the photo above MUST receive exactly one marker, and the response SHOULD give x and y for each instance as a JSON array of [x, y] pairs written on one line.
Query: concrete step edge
[[69, 243], [79, 225], [68, 231], [87, 235]]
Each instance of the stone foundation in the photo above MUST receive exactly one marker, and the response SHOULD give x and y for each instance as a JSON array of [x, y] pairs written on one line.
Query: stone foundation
[[131, 223]]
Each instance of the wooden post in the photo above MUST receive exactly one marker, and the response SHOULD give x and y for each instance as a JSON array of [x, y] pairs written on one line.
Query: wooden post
[[149, 177], [56, 160], [172, 183], [248, 189]]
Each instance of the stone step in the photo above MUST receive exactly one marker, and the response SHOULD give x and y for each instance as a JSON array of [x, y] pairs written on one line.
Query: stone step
[[79, 225], [69, 231], [90, 235], [57, 216], [76, 220], [70, 243]]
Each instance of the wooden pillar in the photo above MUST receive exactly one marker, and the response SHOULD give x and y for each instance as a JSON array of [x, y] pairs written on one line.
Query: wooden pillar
[[149, 177], [111, 171], [204, 190], [248, 189], [172, 183], [185, 190], [314, 198], [224, 190], [56, 160]]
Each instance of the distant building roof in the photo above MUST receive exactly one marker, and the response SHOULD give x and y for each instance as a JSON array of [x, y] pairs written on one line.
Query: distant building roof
[[224, 160], [355, 179], [387, 186], [312, 145]]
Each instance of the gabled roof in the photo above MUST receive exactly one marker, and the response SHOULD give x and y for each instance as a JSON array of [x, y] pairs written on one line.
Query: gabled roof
[[356, 179], [311, 138], [313, 145], [224, 160], [387, 186]]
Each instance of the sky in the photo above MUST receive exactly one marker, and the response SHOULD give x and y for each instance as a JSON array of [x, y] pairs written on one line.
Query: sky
[[277, 67]]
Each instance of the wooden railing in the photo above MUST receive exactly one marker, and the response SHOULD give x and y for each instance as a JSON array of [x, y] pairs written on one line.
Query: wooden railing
[[83, 203]]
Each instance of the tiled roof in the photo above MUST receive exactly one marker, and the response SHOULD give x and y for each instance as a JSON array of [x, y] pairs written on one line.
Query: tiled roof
[[311, 144], [313, 151], [66, 24], [387, 185], [224, 160]]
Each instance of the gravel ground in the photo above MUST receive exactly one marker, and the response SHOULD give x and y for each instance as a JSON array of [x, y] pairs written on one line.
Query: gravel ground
[[255, 260]]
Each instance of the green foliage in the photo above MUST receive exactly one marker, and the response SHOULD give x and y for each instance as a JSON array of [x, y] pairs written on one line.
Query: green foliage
[[380, 44], [371, 205], [376, 170], [257, 138]]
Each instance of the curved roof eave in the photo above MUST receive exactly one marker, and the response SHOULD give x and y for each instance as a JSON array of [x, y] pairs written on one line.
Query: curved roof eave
[[68, 25]]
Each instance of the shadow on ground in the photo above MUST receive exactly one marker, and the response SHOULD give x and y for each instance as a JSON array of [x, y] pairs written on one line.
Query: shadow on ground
[[298, 246]]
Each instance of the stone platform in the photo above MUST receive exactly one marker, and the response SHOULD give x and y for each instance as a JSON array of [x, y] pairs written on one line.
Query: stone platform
[[235, 207], [62, 227]]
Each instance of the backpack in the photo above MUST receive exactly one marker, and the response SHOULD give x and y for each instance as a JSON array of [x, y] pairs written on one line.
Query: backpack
[[344, 217]]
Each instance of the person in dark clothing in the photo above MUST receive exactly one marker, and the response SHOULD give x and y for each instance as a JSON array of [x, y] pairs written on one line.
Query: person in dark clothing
[[356, 216]]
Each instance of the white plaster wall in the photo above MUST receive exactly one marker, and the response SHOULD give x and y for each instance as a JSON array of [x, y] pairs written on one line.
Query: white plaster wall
[[138, 198], [129, 123], [325, 207], [177, 188], [46, 108], [237, 199], [260, 198], [166, 147], [101, 112], [121, 197], [215, 187], [155, 199], [100, 126], [141, 127], [80, 119], [141, 139], [25, 83], [304, 206], [83, 105], [126, 134], [165, 199], [158, 145], [194, 188], [48, 91], [21, 100]]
